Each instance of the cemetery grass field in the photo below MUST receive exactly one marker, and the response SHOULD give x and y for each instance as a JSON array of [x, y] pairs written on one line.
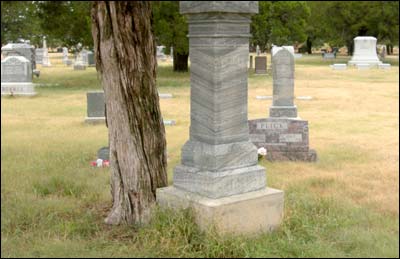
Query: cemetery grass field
[[53, 202]]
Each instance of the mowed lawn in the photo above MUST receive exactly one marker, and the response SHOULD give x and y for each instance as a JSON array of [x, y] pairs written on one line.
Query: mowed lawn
[[53, 202]]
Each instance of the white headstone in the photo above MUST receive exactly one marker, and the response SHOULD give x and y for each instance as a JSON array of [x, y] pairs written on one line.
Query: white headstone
[[365, 51], [45, 57], [65, 55]]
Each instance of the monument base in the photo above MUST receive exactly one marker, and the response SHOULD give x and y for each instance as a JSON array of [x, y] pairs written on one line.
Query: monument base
[[220, 183], [20, 89], [283, 138], [372, 63], [247, 213], [95, 120], [283, 111]]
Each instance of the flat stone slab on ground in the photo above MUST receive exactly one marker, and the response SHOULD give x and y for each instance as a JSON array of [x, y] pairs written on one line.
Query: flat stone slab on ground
[[165, 96], [249, 213], [384, 66], [169, 122], [95, 120], [306, 98], [339, 66], [264, 97]]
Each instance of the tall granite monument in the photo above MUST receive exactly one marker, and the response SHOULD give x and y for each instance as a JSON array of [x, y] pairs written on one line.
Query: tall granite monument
[[283, 134], [365, 51], [219, 176]]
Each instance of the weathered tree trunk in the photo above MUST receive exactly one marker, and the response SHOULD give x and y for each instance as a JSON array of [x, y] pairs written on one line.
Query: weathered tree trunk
[[180, 62], [126, 63], [350, 47], [309, 45]]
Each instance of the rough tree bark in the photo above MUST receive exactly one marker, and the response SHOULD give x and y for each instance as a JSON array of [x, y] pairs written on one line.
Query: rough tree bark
[[126, 63]]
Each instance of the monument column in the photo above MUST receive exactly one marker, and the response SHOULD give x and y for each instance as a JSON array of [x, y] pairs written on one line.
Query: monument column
[[283, 83], [219, 152], [219, 161]]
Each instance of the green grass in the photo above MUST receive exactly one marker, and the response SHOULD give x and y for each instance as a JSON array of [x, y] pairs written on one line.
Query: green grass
[[54, 203]]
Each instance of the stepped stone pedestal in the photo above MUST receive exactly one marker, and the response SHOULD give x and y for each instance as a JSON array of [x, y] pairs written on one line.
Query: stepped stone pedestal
[[219, 176]]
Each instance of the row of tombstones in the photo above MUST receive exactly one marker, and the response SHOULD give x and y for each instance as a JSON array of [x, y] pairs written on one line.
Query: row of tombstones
[[19, 66], [284, 134]]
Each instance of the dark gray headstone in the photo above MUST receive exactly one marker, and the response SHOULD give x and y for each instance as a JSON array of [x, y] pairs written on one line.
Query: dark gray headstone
[[95, 104], [261, 65], [104, 153], [91, 61], [283, 138]]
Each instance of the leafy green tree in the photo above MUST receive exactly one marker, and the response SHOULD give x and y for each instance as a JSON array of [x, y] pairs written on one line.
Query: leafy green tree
[[348, 20], [260, 27], [316, 28], [19, 21], [288, 22], [279, 23], [384, 22], [171, 29], [66, 22]]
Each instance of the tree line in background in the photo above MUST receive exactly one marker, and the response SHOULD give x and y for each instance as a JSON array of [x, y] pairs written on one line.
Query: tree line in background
[[306, 24]]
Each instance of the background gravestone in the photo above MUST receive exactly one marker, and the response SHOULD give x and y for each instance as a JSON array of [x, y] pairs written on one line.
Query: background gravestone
[[65, 55], [39, 56], [104, 153], [79, 63], [91, 62], [95, 107], [283, 134], [87, 58], [260, 64], [20, 49], [16, 76], [45, 57], [365, 52], [219, 175], [160, 53]]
